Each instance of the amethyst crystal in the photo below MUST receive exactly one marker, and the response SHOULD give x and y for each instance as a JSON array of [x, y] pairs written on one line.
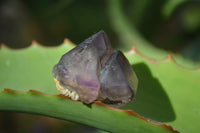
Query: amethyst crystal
[[94, 71]]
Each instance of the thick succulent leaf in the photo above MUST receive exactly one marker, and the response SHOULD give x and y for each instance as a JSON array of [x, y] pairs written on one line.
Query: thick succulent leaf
[[28, 75], [97, 115], [130, 36], [167, 92]]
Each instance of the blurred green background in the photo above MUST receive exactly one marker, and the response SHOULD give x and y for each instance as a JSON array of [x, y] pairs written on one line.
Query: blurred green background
[[172, 25]]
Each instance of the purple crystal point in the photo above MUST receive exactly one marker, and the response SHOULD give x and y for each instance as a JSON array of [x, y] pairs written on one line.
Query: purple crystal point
[[101, 42], [94, 71], [118, 80]]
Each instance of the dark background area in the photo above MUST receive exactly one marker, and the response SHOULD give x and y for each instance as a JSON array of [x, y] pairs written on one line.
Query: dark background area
[[49, 22]]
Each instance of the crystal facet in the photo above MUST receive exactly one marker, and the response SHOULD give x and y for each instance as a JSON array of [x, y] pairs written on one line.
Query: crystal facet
[[94, 71]]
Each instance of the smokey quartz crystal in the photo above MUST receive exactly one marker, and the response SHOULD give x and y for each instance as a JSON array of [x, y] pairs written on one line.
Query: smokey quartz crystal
[[93, 71]]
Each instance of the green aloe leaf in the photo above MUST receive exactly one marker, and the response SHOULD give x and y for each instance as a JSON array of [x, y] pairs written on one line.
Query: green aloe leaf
[[167, 93], [129, 36]]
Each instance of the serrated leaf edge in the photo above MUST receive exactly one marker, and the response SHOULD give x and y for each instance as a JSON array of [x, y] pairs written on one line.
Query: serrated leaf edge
[[134, 50], [98, 103]]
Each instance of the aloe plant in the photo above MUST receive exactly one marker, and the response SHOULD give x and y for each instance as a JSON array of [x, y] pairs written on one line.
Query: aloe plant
[[129, 35], [167, 95]]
